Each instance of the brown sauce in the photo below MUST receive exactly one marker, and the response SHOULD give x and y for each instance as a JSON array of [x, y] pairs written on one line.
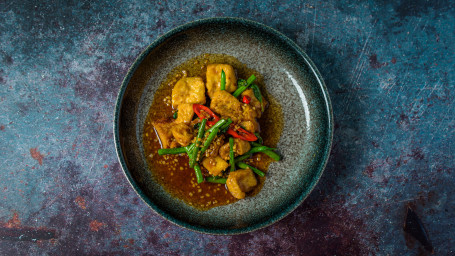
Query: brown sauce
[[172, 171]]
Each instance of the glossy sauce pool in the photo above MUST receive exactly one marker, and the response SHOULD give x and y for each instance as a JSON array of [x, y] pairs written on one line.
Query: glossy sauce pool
[[172, 171]]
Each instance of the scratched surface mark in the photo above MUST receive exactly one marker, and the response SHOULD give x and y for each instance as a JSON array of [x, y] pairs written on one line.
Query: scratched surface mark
[[389, 69]]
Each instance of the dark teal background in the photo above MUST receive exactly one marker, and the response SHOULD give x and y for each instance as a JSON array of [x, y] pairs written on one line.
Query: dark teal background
[[389, 69]]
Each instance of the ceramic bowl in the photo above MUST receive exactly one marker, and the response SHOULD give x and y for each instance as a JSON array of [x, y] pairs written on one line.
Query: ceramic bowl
[[289, 76]]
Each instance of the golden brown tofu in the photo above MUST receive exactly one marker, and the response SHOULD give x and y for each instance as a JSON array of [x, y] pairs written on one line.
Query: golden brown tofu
[[213, 76], [215, 165], [254, 103], [224, 151], [250, 125], [189, 90], [240, 182], [185, 113], [163, 129], [182, 133], [241, 146], [226, 105], [248, 113]]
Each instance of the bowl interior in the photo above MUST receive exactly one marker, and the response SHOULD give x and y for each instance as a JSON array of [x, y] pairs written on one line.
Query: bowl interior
[[289, 76]]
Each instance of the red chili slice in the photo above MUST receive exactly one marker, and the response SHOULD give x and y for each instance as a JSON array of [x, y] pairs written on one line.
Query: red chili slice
[[246, 99], [242, 134], [198, 108]]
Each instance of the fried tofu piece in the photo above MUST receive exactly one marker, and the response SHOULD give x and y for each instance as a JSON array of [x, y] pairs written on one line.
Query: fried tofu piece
[[226, 105], [250, 125], [182, 133], [185, 113], [248, 113], [215, 165], [224, 151], [190, 90], [241, 146], [240, 182], [213, 76], [254, 102], [163, 130]]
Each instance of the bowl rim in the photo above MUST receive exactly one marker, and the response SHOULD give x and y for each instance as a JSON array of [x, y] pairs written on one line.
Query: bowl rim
[[222, 20]]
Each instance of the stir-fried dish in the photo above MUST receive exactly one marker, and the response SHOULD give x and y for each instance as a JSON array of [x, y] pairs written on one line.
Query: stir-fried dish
[[213, 129]]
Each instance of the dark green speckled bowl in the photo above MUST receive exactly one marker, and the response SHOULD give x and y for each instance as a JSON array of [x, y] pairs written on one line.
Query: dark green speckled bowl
[[289, 75]]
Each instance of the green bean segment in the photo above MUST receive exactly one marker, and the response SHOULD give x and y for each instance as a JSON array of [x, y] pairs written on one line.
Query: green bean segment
[[216, 180], [198, 172], [213, 131], [255, 170], [200, 135], [270, 153], [259, 149], [223, 80], [190, 148], [217, 125], [209, 140], [171, 151], [226, 125], [241, 158], [231, 154]]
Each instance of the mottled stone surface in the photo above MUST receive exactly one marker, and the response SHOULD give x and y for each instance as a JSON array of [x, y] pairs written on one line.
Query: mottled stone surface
[[389, 69]]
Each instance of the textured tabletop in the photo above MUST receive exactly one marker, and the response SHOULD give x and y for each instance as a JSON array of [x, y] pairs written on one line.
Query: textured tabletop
[[389, 69]]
